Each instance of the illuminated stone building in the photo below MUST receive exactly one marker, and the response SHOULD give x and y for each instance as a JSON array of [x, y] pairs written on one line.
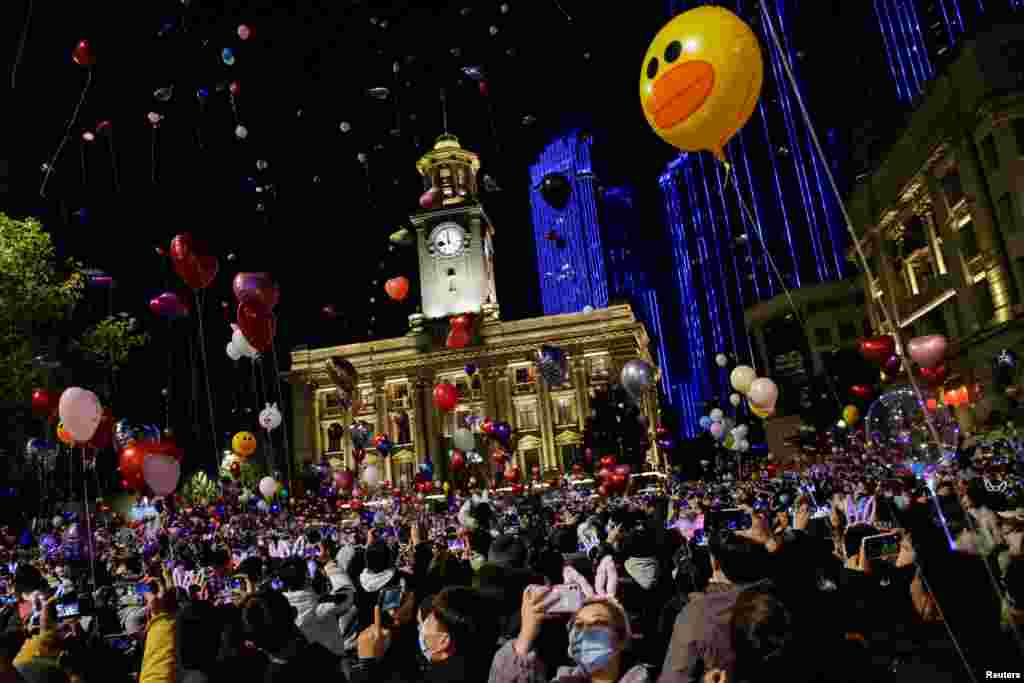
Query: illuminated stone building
[[942, 218], [397, 376]]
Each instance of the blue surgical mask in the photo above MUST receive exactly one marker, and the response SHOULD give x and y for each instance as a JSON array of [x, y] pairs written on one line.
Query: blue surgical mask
[[591, 647]]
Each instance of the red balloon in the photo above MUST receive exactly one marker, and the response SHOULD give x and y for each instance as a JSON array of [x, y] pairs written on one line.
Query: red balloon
[[257, 326], [356, 505], [603, 490], [192, 263], [104, 436], [617, 481], [499, 458], [42, 402], [878, 349], [358, 454], [445, 396], [430, 198], [513, 473], [603, 473], [862, 391], [624, 470], [934, 375], [458, 460], [397, 288], [517, 489], [236, 469], [130, 466], [458, 338], [608, 461], [169, 306], [256, 289], [82, 54], [486, 426]]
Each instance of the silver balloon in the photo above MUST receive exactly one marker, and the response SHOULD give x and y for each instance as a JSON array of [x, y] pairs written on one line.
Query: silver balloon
[[897, 429], [637, 376]]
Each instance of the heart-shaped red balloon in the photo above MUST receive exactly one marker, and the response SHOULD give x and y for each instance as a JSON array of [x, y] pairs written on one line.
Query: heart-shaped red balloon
[[192, 262], [878, 349], [934, 375], [257, 326], [256, 289], [862, 391], [458, 338], [397, 288], [82, 54]]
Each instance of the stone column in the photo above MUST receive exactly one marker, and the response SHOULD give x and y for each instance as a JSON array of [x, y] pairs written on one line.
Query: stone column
[[489, 387], [939, 258], [990, 242], [423, 410], [892, 285], [581, 384], [383, 422], [965, 308], [545, 424], [305, 428]]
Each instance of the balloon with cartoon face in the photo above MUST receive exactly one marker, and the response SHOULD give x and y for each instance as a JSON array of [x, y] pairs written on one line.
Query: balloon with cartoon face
[[244, 444], [270, 417]]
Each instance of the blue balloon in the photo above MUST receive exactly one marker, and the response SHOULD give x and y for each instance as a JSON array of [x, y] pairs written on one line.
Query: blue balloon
[[705, 422], [227, 55]]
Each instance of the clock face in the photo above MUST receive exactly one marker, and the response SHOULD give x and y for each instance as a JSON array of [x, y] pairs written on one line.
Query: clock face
[[448, 239]]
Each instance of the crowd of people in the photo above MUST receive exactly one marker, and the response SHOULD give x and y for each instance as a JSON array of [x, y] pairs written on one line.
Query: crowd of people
[[819, 575]]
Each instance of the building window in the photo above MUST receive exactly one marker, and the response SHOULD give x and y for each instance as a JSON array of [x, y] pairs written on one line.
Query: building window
[[989, 151], [526, 416], [368, 400], [600, 367], [334, 435], [399, 429], [332, 404], [398, 395], [1004, 213], [847, 331], [968, 240], [952, 188], [565, 410], [531, 459], [469, 417], [822, 336]]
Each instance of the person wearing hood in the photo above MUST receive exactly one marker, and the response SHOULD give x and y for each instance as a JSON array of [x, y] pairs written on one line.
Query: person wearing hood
[[645, 583], [599, 638], [315, 618], [380, 574]]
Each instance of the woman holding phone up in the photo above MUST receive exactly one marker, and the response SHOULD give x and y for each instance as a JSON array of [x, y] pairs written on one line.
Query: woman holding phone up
[[599, 636]]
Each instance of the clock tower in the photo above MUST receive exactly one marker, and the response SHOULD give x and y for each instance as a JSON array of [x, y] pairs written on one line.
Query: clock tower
[[453, 237]]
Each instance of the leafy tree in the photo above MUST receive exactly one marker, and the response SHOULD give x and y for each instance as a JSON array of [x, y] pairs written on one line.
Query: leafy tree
[[36, 295], [109, 343]]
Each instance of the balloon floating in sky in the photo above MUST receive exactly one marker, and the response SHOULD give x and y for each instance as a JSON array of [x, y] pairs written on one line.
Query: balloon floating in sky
[[701, 79], [556, 190], [244, 32], [227, 55], [82, 54]]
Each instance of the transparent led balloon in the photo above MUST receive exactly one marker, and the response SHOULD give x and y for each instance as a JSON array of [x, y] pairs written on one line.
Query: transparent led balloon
[[897, 429]]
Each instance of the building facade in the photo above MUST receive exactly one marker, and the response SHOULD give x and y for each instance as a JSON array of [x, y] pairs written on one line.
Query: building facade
[[493, 373], [942, 219]]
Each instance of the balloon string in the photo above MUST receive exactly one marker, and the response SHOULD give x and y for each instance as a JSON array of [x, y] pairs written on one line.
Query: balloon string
[[85, 172], [206, 376], [88, 524], [48, 171], [284, 427], [153, 156], [113, 159], [748, 217], [19, 55], [889, 318], [194, 382]]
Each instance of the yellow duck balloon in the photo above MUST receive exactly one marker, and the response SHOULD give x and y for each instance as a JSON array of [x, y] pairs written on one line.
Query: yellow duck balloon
[[701, 79]]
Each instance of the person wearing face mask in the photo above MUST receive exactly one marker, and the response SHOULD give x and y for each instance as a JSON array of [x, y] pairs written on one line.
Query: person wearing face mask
[[455, 641], [599, 633]]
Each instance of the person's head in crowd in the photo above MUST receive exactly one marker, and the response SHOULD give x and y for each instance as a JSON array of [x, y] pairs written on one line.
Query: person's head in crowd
[[330, 548], [737, 559], [483, 513], [313, 536], [133, 621], [565, 541], [508, 551], [268, 621], [852, 540], [458, 624], [762, 631], [28, 580], [549, 563], [975, 496], [599, 635], [639, 542], [480, 542], [219, 559], [251, 567], [424, 609], [378, 558], [294, 574]]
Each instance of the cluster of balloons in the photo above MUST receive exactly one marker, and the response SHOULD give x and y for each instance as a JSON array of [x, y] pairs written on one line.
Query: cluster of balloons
[[927, 352], [761, 392], [193, 262], [725, 429], [239, 347], [257, 295], [147, 457], [637, 377], [614, 478]]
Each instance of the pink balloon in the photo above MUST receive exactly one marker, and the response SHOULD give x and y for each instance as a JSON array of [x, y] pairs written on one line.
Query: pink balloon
[[343, 480], [928, 350], [429, 198], [763, 393], [268, 486], [81, 412], [716, 429], [161, 473]]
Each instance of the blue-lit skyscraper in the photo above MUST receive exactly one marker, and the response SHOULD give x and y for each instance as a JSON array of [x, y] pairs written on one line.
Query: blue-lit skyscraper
[[587, 253]]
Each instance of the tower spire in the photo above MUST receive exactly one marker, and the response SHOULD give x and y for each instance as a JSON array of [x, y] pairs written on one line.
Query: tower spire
[[444, 111]]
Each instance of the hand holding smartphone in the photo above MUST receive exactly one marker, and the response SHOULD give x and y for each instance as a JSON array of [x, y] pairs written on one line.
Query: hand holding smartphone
[[563, 599]]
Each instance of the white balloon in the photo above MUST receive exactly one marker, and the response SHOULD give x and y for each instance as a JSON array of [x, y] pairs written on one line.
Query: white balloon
[[740, 431], [743, 446], [716, 415], [735, 400], [722, 360], [233, 352], [268, 486], [58, 522], [161, 473], [841, 424], [763, 393], [242, 344], [741, 377], [371, 475]]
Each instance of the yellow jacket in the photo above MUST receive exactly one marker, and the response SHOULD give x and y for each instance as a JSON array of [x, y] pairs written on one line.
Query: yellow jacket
[[46, 644], [159, 661]]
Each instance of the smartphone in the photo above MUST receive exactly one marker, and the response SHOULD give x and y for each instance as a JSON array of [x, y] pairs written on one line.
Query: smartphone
[[390, 598], [120, 643], [699, 538], [568, 599], [8, 599], [734, 519], [881, 546], [67, 610]]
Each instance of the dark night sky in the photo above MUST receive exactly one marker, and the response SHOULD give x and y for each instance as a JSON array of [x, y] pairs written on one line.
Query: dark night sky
[[326, 241]]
